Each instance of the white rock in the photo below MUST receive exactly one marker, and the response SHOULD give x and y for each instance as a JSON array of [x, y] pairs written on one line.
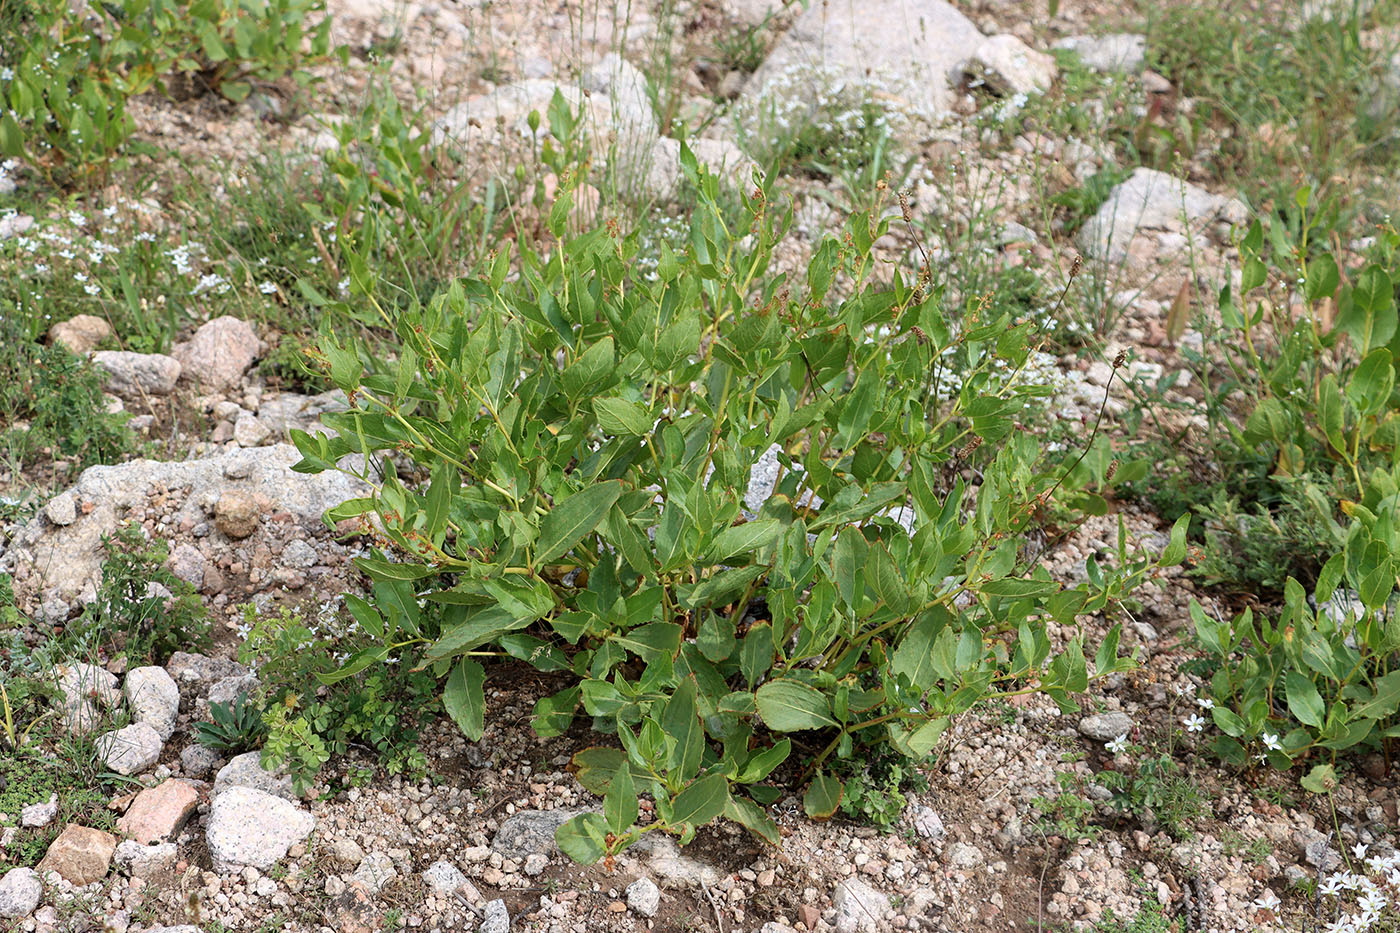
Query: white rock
[[907, 52], [133, 375], [375, 871], [62, 510], [130, 750], [859, 906], [219, 352], [20, 892], [644, 897], [249, 827], [249, 431], [443, 878], [1150, 200], [964, 855], [246, 771], [154, 699], [39, 814], [496, 919], [1009, 66], [145, 861], [1120, 51]]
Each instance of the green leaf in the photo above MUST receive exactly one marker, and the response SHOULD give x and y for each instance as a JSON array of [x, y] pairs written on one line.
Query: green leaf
[[480, 625], [583, 838], [1371, 382], [823, 797], [555, 713], [680, 719], [1385, 701], [573, 518], [716, 637], [1175, 551], [1323, 278], [701, 802], [914, 656], [789, 705], [743, 539], [1322, 779], [756, 654], [1229, 722], [620, 802], [590, 371], [1331, 412], [1229, 751], [1303, 700], [465, 698], [753, 818], [619, 416]]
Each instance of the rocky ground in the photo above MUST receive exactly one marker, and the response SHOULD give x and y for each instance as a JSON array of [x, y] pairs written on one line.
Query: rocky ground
[[203, 843]]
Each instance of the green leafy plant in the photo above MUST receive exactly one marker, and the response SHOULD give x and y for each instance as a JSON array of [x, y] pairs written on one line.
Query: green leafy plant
[[236, 726], [52, 403], [1069, 813], [1322, 407], [730, 514], [142, 609], [69, 77], [1156, 792]]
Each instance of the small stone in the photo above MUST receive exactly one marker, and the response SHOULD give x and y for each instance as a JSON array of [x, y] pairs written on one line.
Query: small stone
[[20, 893], [964, 855], [62, 510], [1105, 727], [928, 824], [237, 514], [159, 812], [535, 864], [530, 831], [496, 918], [859, 907], [80, 854], [154, 699], [39, 814], [1009, 66], [644, 897], [443, 878], [249, 827], [197, 761], [375, 872], [134, 375], [347, 853], [144, 861], [246, 770], [248, 431], [80, 334], [130, 750], [219, 352]]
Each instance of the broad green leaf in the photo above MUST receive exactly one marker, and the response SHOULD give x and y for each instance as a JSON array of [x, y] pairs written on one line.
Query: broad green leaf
[[555, 713], [913, 657], [1303, 700], [568, 522], [756, 654], [716, 637], [742, 539], [619, 416], [480, 625], [761, 765], [1386, 700], [680, 719], [702, 801], [465, 698], [789, 705], [583, 838], [1331, 412], [1175, 551], [823, 797], [1371, 382], [1322, 779], [1229, 722], [753, 818], [620, 802]]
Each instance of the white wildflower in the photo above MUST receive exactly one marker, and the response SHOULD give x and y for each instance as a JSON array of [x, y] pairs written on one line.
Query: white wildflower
[[1193, 723], [1118, 745]]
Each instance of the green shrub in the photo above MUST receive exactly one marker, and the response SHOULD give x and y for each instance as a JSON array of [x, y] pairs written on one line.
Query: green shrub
[[65, 83], [1320, 406], [234, 727], [51, 402], [142, 609], [561, 460]]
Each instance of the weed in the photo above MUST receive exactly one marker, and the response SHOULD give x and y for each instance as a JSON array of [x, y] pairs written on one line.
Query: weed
[[1157, 794], [1067, 814], [1152, 917], [235, 727]]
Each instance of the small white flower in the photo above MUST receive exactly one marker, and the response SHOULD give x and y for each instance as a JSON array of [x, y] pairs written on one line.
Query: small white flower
[[1373, 903], [79, 277], [91, 288], [1359, 850], [1193, 723], [1118, 745], [1205, 702], [7, 74], [1332, 886], [267, 288], [1266, 901], [1271, 742]]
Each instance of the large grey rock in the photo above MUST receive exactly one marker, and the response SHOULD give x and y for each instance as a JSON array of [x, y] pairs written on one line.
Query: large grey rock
[[1105, 727], [153, 698], [58, 567], [246, 771], [190, 668], [130, 750], [219, 353], [250, 828], [907, 52], [1120, 51], [530, 831], [135, 375], [1152, 201], [20, 893], [859, 906]]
